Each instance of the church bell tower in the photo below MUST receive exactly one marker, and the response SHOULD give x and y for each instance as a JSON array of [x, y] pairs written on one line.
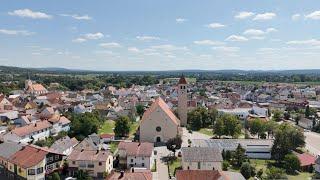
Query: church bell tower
[[182, 100]]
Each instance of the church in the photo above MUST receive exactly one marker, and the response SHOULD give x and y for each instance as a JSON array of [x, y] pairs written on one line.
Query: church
[[159, 123]]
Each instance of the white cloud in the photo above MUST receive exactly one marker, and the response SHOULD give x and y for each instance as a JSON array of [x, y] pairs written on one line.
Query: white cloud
[[181, 20], [265, 16], [147, 38], [314, 15], [16, 32], [236, 38], [295, 17], [243, 15], [311, 42], [97, 35], [270, 30], [169, 47], [253, 32], [258, 34], [226, 48], [77, 17], [110, 45], [215, 25], [208, 42], [134, 49], [79, 40], [30, 14]]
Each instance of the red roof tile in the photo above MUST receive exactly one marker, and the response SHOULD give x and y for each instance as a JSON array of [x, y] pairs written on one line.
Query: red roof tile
[[200, 175], [28, 156], [136, 149], [306, 159], [160, 103], [182, 80]]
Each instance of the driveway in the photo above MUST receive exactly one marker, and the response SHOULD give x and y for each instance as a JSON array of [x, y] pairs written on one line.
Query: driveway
[[313, 142], [162, 169], [194, 135]]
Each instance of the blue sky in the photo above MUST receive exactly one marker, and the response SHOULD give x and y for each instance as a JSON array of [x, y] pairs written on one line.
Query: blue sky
[[160, 35]]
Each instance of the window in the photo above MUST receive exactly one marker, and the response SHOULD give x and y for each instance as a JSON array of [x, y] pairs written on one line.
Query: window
[[31, 172], [100, 163], [142, 158], [73, 162], [40, 170], [131, 160], [199, 165], [158, 129], [56, 157], [142, 164]]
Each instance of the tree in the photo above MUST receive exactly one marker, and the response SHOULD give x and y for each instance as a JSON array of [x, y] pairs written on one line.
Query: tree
[[54, 176], [213, 114], [140, 109], [245, 170], [83, 175], [287, 138], [257, 127], [298, 118], [275, 173], [232, 126], [239, 156], [225, 165], [286, 115], [307, 112], [228, 155], [194, 120], [174, 143], [122, 126], [291, 163], [218, 127], [260, 173], [271, 126], [277, 115]]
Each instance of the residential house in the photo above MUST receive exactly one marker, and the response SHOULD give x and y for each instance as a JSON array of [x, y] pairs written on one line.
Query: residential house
[[131, 176], [95, 162], [135, 154], [33, 162], [64, 145], [31, 132], [159, 123], [201, 158], [208, 175], [7, 149], [307, 161]]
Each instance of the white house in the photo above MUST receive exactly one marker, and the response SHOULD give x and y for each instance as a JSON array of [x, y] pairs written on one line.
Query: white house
[[136, 155], [32, 132]]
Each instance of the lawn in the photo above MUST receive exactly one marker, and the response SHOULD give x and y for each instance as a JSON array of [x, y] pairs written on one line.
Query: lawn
[[206, 131], [302, 175], [173, 165], [133, 128], [107, 127]]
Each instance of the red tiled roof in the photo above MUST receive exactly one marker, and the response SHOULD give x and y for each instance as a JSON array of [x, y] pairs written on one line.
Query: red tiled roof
[[28, 129], [132, 176], [89, 155], [306, 159], [136, 149], [182, 80], [160, 103], [200, 175], [106, 135], [28, 156]]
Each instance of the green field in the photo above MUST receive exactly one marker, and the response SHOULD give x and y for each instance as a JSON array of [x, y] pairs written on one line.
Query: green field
[[206, 131], [107, 127]]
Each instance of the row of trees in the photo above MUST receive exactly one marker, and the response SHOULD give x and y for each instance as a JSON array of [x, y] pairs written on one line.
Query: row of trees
[[222, 124]]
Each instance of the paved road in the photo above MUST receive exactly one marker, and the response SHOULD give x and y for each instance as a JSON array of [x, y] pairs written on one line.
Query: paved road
[[313, 142], [194, 135], [162, 169]]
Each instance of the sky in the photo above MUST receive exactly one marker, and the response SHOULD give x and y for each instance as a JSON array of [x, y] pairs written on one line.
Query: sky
[[125, 35]]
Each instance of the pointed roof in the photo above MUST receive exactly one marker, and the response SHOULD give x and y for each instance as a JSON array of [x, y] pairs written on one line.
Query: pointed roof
[[182, 80], [160, 103]]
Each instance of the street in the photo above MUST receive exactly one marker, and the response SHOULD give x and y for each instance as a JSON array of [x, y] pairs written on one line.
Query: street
[[313, 143]]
